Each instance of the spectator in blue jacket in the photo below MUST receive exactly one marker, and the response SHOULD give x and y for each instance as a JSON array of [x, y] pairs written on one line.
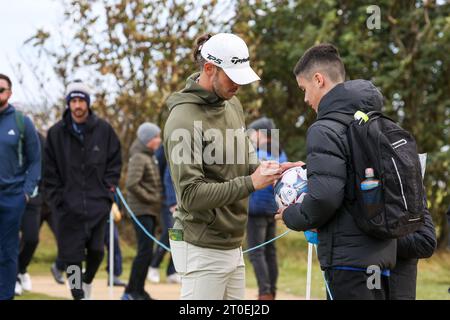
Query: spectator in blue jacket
[[261, 225], [168, 208], [20, 171]]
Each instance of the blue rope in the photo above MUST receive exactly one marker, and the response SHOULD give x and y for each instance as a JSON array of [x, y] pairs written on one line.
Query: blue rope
[[267, 242], [133, 216]]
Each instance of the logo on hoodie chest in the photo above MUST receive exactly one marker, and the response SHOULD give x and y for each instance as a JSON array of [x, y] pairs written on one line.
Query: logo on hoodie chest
[[9, 137]]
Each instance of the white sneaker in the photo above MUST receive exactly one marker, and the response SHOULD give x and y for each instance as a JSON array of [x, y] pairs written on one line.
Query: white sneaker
[[174, 278], [153, 275], [25, 281], [87, 288], [18, 289]]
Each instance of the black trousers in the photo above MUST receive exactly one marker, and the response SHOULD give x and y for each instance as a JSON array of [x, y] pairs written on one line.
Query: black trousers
[[160, 252], [143, 257], [31, 224], [82, 242], [264, 260], [353, 285], [93, 260]]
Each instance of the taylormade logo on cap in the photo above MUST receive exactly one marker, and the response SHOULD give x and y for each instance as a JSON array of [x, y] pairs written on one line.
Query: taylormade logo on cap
[[230, 53], [236, 60]]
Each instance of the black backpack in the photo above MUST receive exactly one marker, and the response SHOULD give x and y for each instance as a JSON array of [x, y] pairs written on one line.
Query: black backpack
[[397, 206]]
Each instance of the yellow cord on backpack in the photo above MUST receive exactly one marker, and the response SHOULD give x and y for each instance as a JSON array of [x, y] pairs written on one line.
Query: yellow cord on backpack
[[361, 115]]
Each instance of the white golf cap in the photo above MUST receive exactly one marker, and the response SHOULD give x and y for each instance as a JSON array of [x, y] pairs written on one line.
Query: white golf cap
[[230, 53]]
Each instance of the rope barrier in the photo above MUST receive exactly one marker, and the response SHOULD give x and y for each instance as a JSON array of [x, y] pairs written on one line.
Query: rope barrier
[[133, 216]]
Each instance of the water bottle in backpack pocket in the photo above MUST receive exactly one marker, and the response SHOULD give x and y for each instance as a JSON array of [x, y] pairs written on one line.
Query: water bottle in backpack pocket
[[371, 193]]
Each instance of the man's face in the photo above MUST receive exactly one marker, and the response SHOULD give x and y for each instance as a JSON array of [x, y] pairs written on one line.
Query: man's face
[[223, 86], [258, 137], [79, 109], [155, 142], [6, 94], [312, 89]]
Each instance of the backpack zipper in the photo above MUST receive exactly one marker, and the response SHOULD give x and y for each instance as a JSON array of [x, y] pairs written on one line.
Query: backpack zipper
[[401, 184], [399, 143]]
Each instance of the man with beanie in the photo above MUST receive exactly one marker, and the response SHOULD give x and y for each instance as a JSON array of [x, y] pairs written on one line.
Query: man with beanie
[[82, 168], [144, 195], [169, 204], [20, 171]]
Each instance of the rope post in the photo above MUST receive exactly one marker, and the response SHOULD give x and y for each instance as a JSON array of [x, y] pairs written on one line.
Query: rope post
[[308, 272], [111, 255]]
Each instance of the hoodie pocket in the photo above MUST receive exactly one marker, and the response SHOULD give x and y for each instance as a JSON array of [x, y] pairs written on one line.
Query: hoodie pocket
[[214, 218]]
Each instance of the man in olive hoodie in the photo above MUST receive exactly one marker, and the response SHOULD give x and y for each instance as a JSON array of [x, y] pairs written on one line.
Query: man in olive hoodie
[[212, 174]]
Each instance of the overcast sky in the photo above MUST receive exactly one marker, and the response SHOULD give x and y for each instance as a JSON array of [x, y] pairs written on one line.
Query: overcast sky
[[19, 20]]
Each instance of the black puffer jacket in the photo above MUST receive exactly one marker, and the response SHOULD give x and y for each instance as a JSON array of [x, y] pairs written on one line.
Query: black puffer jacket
[[79, 173], [327, 205]]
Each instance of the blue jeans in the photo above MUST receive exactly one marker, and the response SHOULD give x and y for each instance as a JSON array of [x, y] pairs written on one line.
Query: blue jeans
[[12, 207], [264, 260], [167, 220]]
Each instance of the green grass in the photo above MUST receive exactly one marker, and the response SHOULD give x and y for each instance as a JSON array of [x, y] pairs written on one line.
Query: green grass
[[292, 253], [433, 280], [432, 283], [36, 296]]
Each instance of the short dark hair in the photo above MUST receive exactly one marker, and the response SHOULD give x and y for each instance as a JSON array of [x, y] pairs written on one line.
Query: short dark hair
[[7, 79], [324, 56]]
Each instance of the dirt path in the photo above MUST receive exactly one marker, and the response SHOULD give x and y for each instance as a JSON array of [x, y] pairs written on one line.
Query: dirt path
[[162, 291]]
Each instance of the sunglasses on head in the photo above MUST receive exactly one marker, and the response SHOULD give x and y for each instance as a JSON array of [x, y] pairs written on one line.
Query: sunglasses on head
[[3, 90]]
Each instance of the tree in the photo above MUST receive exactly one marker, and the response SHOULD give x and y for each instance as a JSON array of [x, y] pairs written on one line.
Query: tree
[[134, 53]]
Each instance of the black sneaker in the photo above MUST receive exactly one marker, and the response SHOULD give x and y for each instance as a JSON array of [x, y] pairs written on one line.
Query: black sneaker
[[136, 296], [145, 296], [58, 275]]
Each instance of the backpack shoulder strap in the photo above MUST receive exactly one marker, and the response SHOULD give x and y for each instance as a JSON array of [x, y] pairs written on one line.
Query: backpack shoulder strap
[[342, 118], [346, 119], [20, 121]]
